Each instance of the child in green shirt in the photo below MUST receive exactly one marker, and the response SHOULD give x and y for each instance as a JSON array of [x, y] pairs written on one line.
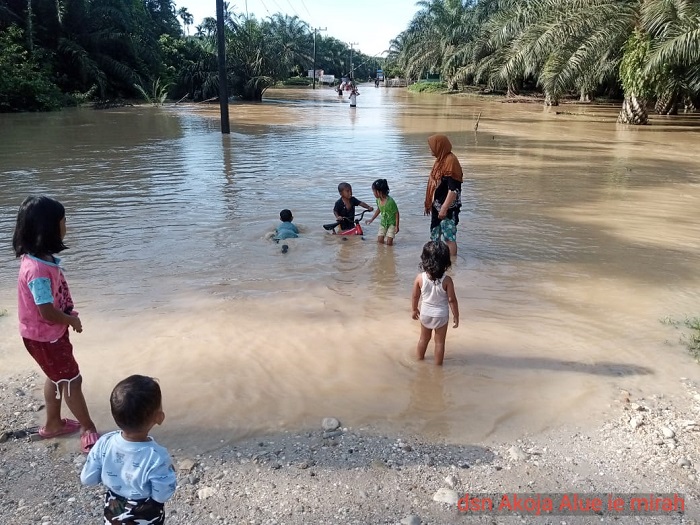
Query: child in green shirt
[[389, 224]]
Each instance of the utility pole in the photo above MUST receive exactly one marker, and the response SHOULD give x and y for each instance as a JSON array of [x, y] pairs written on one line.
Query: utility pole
[[352, 73], [223, 83], [315, 30]]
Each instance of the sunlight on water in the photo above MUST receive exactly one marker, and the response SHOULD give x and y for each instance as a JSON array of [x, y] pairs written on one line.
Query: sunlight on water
[[576, 238]]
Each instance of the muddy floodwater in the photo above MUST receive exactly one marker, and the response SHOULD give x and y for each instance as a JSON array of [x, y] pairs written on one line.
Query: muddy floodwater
[[577, 238]]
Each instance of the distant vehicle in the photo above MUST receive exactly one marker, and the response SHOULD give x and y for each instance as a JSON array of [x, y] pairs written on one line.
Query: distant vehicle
[[380, 75]]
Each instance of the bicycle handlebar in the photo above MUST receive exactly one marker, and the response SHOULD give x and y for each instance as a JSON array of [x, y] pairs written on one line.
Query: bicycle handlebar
[[357, 219]]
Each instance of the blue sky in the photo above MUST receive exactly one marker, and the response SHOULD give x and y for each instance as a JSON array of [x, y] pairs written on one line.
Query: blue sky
[[371, 24]]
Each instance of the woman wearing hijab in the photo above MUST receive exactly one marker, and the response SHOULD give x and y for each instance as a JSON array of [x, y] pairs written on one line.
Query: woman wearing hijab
[[443, 194]]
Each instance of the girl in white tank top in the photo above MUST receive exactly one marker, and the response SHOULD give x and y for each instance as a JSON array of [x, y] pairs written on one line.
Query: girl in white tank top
[[436, 293], [434, 304]]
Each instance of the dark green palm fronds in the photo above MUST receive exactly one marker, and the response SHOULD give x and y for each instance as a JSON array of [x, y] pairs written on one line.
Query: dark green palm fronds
[[87, 68], [675, 28]]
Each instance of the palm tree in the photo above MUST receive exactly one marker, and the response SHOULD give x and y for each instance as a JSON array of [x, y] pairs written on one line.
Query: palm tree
[[292, 38], [111, 44], [200, 72], [331, 55], [258, 54], [207, 28], [434, 40], [675, 27], [250, 59], [187, 19], [554, 46]]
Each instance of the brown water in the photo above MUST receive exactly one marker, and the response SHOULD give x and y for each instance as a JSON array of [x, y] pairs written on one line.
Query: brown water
[[577, 238]]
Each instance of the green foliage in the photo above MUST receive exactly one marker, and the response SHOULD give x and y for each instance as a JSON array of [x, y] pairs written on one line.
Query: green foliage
[[393, 72], [187, 18], [428, 87], [24, 86], [112, 48], [179, 55], [690, 339], [564, 46], [82, 98], [189, 66], [651, 47], [635, 80], [261, 53], [159, 15], [111, 44], [156, 95]]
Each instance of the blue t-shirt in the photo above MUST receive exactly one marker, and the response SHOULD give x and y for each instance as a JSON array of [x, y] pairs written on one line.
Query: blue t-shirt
[[286, 230], [132, 470]]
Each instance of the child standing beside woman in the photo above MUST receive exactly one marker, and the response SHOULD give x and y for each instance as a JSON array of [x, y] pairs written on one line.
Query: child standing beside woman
[[389, 224], [436, 293], [45, 309]]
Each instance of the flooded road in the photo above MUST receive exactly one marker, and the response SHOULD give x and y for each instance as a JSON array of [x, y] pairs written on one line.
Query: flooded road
[[577, 237]]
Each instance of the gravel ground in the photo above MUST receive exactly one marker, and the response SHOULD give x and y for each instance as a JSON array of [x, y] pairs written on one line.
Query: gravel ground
[[349, 475]]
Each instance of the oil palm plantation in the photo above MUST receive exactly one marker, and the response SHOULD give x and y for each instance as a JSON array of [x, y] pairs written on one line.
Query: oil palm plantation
[[98, 45], [434, 37], [332, 56], [564, 45], [258, 54], [648, 47], [110, 44], [581, 45]]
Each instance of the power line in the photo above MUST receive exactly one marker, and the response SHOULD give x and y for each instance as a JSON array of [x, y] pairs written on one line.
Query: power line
[[266, 9], [307, 10], [293, 10], [279, 9]]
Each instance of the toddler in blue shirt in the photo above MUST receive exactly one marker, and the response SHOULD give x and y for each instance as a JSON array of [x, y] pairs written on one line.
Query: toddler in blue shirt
[[136, 471], [286, 229]]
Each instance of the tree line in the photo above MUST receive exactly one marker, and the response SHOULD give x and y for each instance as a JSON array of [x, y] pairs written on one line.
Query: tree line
[[55, 53], [643, 51]]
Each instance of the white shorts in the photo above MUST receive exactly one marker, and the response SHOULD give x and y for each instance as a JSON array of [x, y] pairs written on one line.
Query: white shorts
[[433, 323], [389, 232]]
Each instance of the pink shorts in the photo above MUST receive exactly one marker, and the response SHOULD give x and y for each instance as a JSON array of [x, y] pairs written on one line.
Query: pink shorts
[[55, 358]]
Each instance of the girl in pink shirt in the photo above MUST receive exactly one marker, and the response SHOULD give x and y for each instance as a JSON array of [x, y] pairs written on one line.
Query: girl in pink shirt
[[45, 309]]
